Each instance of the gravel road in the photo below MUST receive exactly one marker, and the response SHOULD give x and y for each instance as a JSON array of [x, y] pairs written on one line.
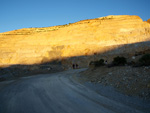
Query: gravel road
[[56, 93]]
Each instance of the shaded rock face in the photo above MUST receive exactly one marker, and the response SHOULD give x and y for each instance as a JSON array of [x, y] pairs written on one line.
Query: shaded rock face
[[89, 39]]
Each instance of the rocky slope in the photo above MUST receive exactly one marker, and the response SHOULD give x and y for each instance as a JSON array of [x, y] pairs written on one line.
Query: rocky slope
[[89, 39], [133, 81]]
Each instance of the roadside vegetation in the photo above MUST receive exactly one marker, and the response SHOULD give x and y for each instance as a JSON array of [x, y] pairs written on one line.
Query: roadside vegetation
[[145, 60], [97, 63], [122, 61], [131, 78], [119, 61]]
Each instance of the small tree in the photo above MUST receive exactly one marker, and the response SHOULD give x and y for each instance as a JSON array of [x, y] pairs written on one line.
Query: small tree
[[145, 60], [119, 60], [98, 63]]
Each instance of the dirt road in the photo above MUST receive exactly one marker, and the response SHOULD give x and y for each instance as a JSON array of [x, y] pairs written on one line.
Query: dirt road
[[56, 93]]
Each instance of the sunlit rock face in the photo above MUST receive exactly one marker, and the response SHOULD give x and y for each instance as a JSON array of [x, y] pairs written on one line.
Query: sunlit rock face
[[87, 37], [148, 20]]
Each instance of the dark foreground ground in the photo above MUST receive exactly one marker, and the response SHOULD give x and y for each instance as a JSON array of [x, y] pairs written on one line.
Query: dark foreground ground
[[17, 71], [65, 92]]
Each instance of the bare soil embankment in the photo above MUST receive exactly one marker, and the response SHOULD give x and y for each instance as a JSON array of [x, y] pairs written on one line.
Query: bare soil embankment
[[132, 81], [17, 71]]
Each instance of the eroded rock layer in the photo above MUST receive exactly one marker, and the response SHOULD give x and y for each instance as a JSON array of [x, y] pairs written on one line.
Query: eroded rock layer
[[89, 39]]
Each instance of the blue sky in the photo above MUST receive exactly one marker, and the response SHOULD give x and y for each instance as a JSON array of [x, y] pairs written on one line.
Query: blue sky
[[17, 14]]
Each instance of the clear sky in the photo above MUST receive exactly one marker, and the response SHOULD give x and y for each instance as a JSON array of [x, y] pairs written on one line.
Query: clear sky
[[17, 14]]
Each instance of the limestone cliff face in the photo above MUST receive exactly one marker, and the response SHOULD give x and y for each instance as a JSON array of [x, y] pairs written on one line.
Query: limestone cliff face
[[83, 38]]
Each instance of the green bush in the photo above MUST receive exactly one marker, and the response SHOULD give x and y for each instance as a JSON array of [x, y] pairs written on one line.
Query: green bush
[[119, 61], [145, 60], [97, 63]]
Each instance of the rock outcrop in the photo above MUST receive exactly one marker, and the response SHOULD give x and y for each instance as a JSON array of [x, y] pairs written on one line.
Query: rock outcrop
[[148, 20], [78, 42]]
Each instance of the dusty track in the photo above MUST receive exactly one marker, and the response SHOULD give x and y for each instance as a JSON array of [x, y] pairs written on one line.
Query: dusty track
[[56, 93]]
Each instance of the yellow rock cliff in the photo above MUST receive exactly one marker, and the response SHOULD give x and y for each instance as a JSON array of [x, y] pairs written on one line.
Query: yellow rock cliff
[[83, 38]]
